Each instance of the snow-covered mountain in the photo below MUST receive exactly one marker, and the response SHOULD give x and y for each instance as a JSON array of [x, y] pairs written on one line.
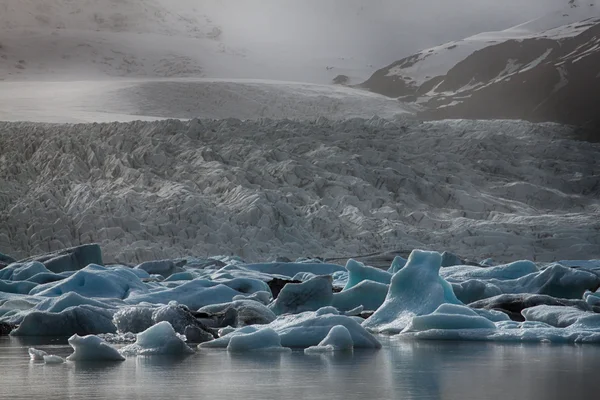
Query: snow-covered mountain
[[543, 70], [303, 41]]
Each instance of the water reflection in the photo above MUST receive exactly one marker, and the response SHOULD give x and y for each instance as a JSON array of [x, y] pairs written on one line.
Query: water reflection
[[401, 370]]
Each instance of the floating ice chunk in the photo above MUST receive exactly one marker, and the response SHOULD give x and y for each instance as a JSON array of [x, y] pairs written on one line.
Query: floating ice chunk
[[556, 316], [164, 268], [262, 340], [92, 348], [71, 259], [247, 312], [303, 276], [37, 355], [474, 289], [338, 339], [291, 269], [588, 264], [21, 272], [305, 330], [181, 276], [262, 297], [450, 260], [22, 287], [417, 289], [310, 328], [492, 315], [368, 294], [592, 298], [95, 281], [133, 319], [449, 316], [195, 334], [513, 270], [307, 296], [200, 292], [556, 281], [70, 299], [355, 311], [227, 333], [358, 272], [512, 304], [177, 315], [160, 339], [52, 359], [83, 320], [397, 264]]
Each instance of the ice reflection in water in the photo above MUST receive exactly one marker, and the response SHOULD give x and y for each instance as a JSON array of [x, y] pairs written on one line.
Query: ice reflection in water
[[401, 370]]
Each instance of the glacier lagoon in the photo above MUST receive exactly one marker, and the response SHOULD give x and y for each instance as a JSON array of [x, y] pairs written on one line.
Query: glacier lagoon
[[402, 369]]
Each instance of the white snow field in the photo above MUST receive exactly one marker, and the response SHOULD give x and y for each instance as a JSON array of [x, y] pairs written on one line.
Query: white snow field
[[261, 189], [142, 99]]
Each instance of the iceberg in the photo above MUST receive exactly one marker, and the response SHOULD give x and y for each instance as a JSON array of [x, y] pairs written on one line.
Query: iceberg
[[261, 340], [368, 294], [291, 269], [338, 339], [397, 264], [247, 312], [417, 289], [306, 329], [92, 348], [36, 355], [52, 359], [159, 339], [95, 281], [133, 319], [358, 272], [307, 296], [449, 316], [83, 320]]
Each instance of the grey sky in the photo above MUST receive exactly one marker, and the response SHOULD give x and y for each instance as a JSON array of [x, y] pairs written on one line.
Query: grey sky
[[380, 30]]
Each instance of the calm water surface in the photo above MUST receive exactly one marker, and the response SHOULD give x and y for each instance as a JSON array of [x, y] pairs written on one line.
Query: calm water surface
[[401, 370]]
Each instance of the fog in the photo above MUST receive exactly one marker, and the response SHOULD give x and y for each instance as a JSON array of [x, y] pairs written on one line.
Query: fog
[[378, 30]]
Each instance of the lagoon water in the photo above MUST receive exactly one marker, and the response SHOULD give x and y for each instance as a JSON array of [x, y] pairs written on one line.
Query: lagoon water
[[401, 370]]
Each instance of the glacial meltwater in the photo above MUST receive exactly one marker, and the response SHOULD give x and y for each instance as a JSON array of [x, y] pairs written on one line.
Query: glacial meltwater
[[402, 369]]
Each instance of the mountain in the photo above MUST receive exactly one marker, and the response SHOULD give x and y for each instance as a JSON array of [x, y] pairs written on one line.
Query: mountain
[[547, 69]]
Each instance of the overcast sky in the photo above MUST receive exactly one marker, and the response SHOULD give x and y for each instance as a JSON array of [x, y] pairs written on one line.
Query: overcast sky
[[381, 30]]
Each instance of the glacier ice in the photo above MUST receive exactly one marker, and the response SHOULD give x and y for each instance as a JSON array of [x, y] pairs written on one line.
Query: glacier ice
[[358, 272], [133, 319], [70, 259], [306, 329], [397, 264], [512, 270], [83, 320], [165, 268], [52, 359], [159, 339], [95, 281], [291, 269], [175, 314], [306, 296], [338, 339], [265, 339], [247, 312], [560, 316], [92, 348], [37, 355], [367, 294], [449, 316], [262, 297], [416, 289]]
